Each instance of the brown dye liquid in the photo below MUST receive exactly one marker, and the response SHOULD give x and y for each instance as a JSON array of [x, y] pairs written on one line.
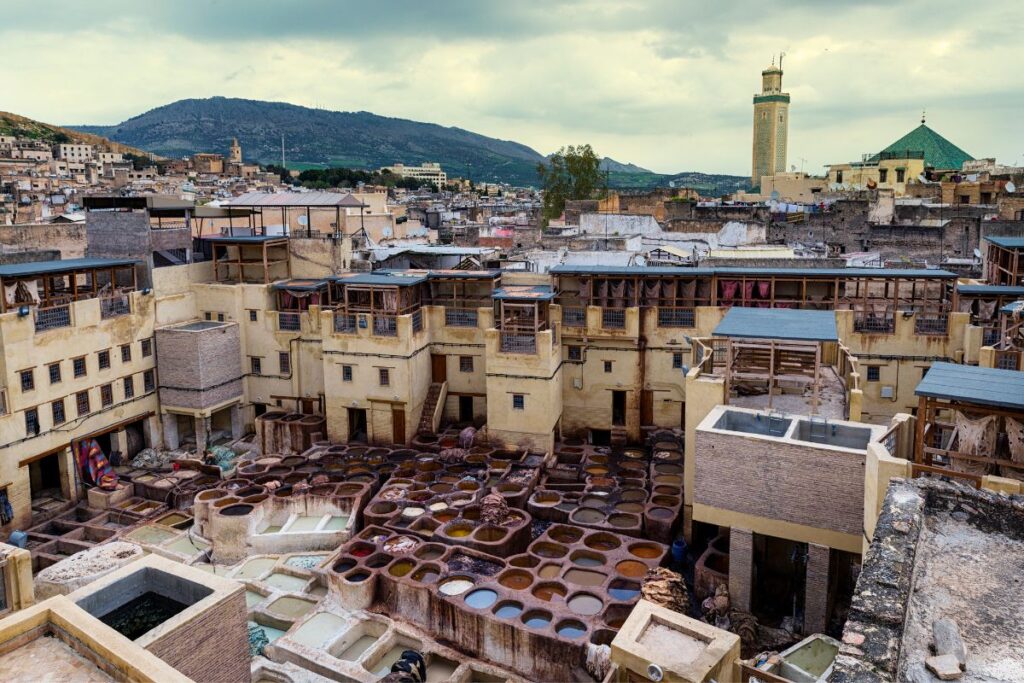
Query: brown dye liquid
[[584, 577], [516, 581], [549, 571], [547, 592], [648, 552], [632, 568]]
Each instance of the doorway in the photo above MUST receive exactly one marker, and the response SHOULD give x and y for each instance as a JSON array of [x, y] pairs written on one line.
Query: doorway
[[44, 478], [357, 425], [780, 577], [646, 408], [465, 408], [398, 426], [438, 368], [619, 408]]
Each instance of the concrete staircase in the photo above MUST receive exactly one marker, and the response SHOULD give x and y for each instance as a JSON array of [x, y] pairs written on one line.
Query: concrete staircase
[[434, 396]]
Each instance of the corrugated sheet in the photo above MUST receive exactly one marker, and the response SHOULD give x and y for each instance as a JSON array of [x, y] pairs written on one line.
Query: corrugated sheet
[[295, 199], [60, 266], [972, 384], [778, 323]]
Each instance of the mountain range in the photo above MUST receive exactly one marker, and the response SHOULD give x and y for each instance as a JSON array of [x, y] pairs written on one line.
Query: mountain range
[[318, 138]]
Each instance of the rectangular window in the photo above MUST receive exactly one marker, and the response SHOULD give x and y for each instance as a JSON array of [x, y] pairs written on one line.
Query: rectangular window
[[148, 380], [147, 348], [54, 373], [31, 421], [466, 363], [284, 362], [518, 402], [255, 366], [677, 360], [385, 377], [607, 366], [126, 353], [79, 366], [3, 402], [575, 353], [57, 407], [82, 402], [129, 387], [28, 380], [220, 317], [208, 315], [104, 360], [346, 373], [253, 315], [106, 396], [874, 372], [900, 175], [839, 176], [883, 175]]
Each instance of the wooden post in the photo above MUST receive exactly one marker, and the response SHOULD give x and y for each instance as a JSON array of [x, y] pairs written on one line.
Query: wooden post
[[266, 266], [216, 272], [922, 416], [817, 387]]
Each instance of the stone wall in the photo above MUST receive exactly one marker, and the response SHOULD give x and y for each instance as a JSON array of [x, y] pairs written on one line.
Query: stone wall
[[201, 368]]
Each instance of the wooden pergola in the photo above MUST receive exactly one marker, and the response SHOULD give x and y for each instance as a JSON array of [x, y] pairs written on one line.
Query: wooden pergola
[[521, 312], [1004, 265], [991, 401], [382, 296], [48, 284], [266, 256]]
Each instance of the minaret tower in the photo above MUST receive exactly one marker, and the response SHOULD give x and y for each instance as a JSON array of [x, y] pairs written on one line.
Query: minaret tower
[[771, 125], [236, 152]]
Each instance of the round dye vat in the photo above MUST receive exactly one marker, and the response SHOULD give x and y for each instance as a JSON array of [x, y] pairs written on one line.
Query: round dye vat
[[438, 507], [629, 507], [547, 591], [401, 568], [455, 586], [426, 575], [666, 501], [596, 470], [357, 576], [550, 550], [400, 544], [622, 520], [668, 479], [602, 542], [585, 559], [443, 517], [523, 561], [508, 610], [378, 561], [361, 550], [481, 599], [516, 580], [430, 552], [565, 534], [593, 501], [660, 513], [412, 512], [536, 619], [585, 604], [458, 531], [624, 590], [587, 516], [585, 577], [633, 495], [632, 569], [342, 566], [647, 552], [549, 571], [633, 453], [570, 629]]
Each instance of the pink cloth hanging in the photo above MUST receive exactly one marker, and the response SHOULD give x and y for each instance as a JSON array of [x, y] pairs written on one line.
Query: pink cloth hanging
[[728, 290]]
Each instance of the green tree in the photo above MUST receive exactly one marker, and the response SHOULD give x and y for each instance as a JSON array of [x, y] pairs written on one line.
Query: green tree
[[572, 172]]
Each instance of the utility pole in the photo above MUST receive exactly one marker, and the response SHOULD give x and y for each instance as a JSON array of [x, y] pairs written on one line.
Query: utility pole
[[283, 167]]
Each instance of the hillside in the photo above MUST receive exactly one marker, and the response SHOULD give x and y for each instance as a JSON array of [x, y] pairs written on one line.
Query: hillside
[[318, 138], [23, 127]]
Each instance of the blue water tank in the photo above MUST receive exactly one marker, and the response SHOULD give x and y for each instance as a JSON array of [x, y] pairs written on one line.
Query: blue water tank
[[18, 538]]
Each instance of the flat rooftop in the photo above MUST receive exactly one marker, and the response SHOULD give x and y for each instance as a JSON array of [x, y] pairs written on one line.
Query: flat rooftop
[[940, 551], [790, 324], [973, 384], [50, 658], [13, 270]]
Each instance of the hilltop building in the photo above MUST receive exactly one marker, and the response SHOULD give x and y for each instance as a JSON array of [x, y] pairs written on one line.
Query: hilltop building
[[427, 172], [771, 125]]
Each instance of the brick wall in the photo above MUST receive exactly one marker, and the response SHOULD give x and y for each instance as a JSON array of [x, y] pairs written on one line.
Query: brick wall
[[780, 480], [741, 568], [816, 589], [200, 368]]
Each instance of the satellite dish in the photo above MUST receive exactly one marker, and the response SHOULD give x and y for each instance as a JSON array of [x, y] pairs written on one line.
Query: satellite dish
[[303, 221], [1010, 187]]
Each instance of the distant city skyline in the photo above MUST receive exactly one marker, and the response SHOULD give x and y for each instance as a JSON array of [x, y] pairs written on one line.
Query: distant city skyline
[[663, 84]]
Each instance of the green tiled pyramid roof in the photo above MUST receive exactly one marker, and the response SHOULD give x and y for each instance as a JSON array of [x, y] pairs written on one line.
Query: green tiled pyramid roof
[[938, 151]]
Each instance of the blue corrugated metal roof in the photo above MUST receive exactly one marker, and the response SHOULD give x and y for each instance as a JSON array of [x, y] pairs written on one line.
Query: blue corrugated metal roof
[[1012, 307], [245, 239], [1007, 242], [445, 274], [61, 266], [723, 270], [524, 293], [973, 384], [778, 323], [379, 279], [301, 284], [991, 290]]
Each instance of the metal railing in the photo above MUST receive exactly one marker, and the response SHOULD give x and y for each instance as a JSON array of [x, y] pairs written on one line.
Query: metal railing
[[113, 306], [289, 321], [52, 318], [931, 324], [874, 324], [417, 321], [676, 317], [385, 325], [518, 342], [574, 317], [344, 323], [891, 440], [613, 318], [460, 317]]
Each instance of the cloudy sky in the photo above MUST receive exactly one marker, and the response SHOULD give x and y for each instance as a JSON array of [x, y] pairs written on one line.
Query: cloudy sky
[[665, 84]]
